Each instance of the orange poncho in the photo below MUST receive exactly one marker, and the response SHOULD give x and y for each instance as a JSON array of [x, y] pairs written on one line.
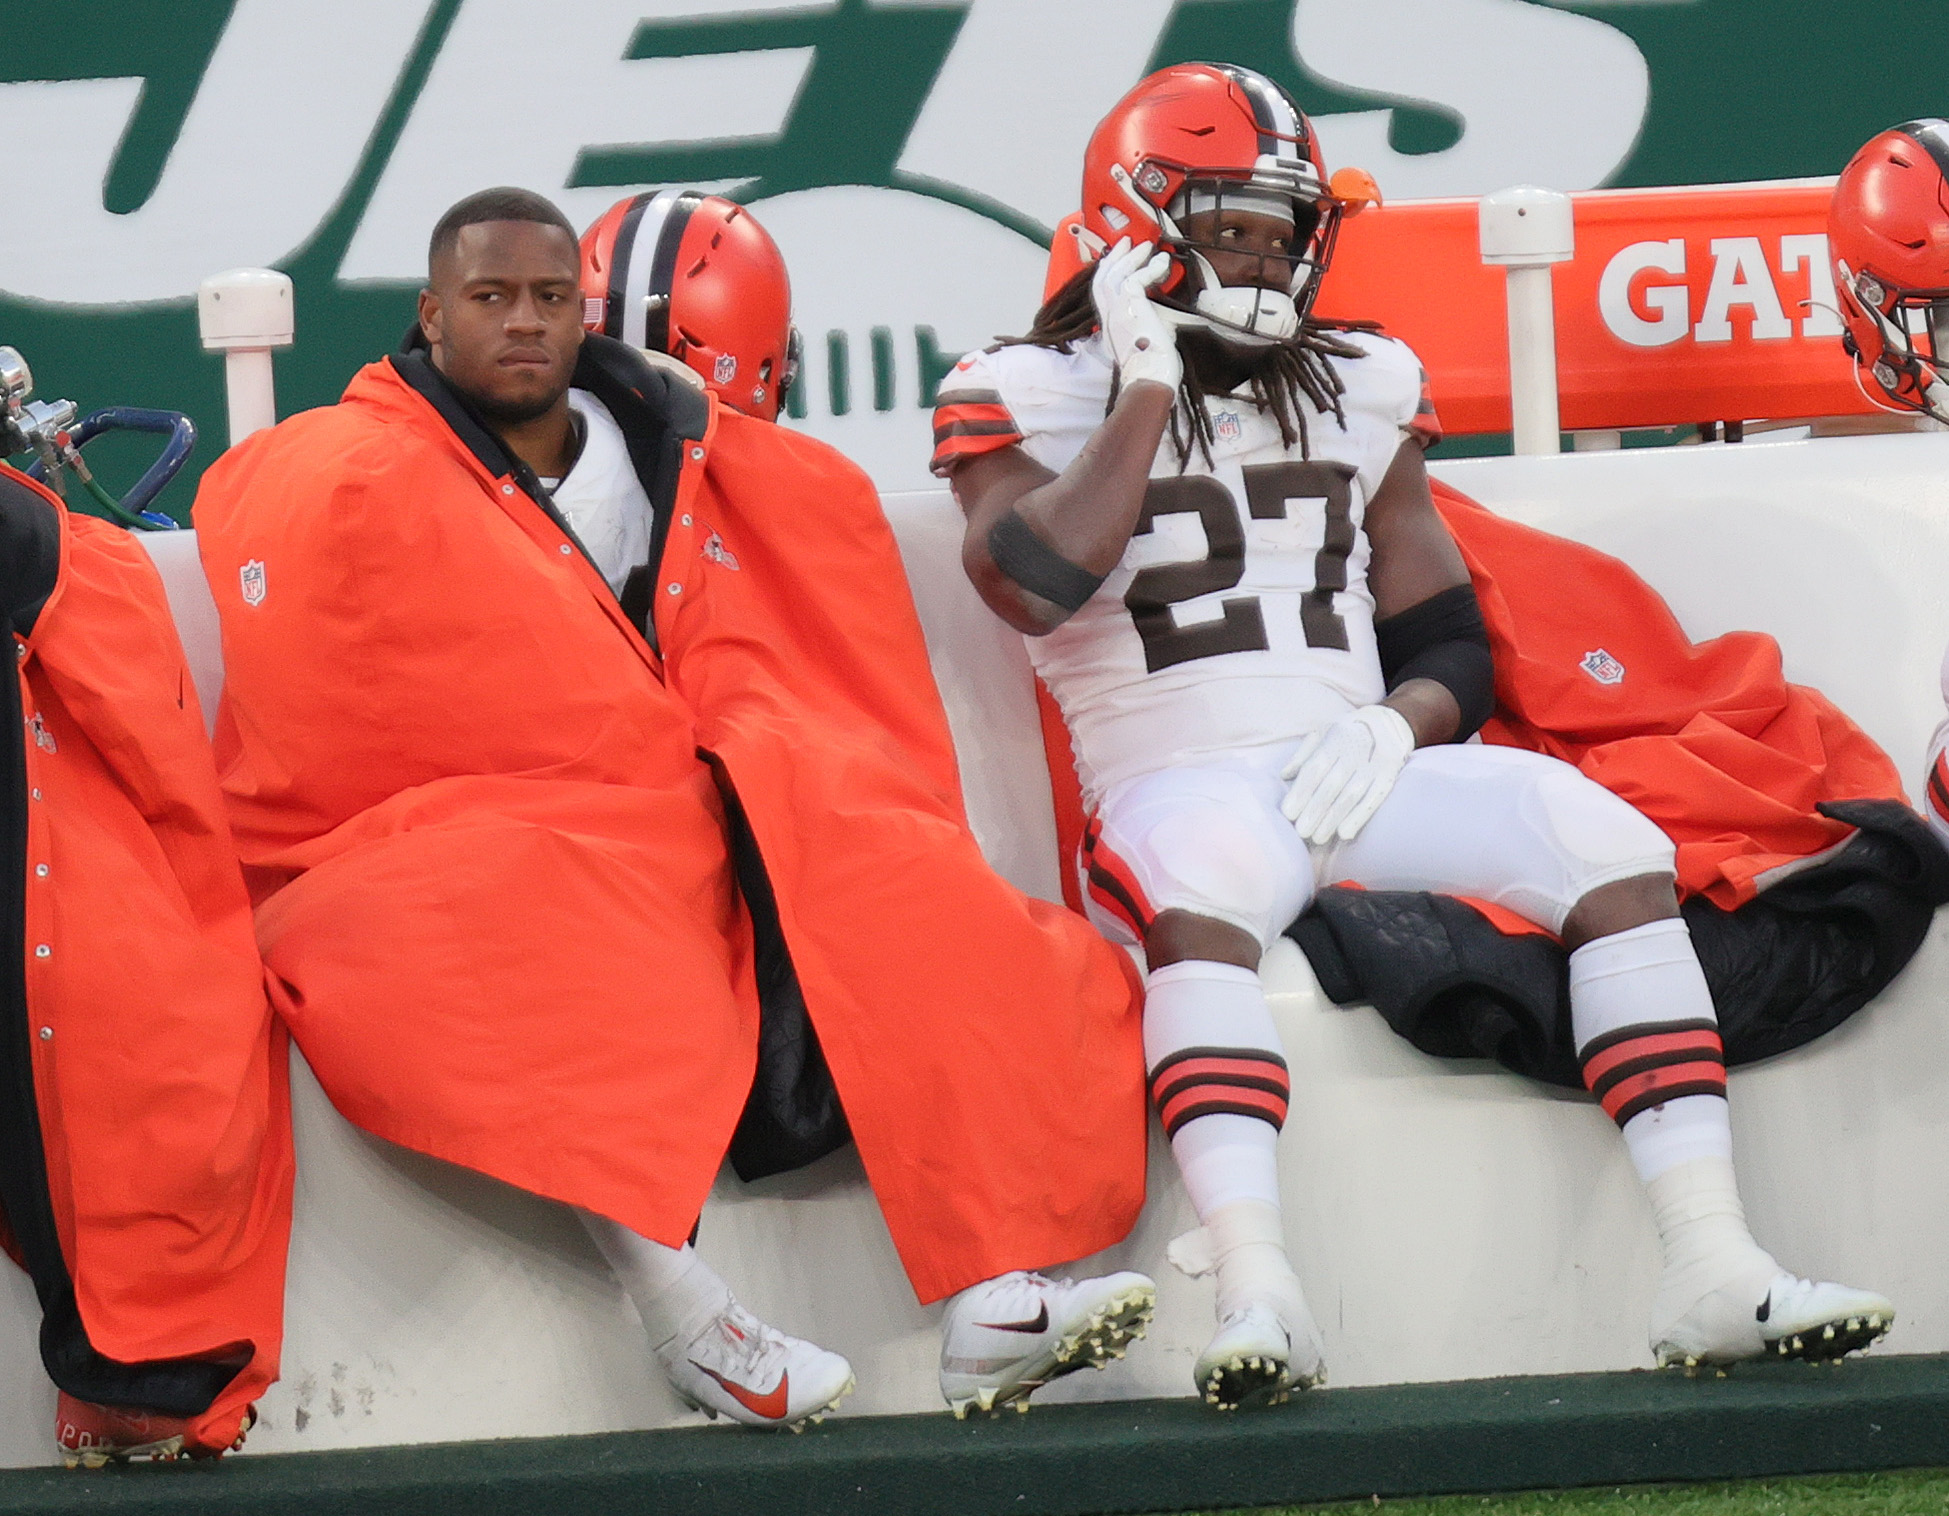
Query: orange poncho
[[496, 902], [158, 1072]]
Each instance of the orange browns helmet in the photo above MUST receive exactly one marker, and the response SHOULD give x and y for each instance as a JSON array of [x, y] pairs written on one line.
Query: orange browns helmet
[[1201, 136], [695, 276], [1888, 233]]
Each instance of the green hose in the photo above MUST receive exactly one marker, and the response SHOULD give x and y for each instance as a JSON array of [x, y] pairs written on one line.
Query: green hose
[[113, 506]]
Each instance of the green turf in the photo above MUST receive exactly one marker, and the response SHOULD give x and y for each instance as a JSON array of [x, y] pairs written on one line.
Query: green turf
[[1919, 1493]]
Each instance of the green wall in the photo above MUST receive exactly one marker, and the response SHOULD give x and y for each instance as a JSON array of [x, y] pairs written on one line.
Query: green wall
[[1740, 89]]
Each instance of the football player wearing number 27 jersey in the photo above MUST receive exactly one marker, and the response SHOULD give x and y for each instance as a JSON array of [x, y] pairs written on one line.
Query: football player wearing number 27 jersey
[[1210, 515]]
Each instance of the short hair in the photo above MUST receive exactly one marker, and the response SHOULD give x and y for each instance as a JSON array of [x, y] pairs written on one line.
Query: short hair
[[505, 203]]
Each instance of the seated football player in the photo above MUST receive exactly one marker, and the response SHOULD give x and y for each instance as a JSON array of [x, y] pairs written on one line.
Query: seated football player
[[147, 1184], [1888, 233], [1211, 518], [573, 767]]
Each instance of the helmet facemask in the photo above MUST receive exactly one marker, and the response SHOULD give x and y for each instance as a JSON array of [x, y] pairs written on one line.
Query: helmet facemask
[[1264, 310], [1881, 339], [1256, 314]]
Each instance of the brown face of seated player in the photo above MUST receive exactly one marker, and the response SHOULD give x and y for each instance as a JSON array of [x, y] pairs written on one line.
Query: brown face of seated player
[[503, 316]]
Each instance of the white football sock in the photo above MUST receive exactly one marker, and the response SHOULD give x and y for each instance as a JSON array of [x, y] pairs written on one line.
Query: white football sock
[[1677, 1132], [1649, 978], [675, 1292], [1229, 1159], [1224, 1156]]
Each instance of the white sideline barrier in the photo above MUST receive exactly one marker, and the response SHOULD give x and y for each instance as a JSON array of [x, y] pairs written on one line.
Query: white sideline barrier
[[1449, 1220]]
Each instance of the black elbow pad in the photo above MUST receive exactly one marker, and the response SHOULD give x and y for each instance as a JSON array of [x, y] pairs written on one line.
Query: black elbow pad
[[1444, 639]]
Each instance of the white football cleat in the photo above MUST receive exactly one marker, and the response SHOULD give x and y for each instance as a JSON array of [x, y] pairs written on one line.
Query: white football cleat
[[739, 1367], [1003, 1339], [1782, 1317], [1257, 1359]]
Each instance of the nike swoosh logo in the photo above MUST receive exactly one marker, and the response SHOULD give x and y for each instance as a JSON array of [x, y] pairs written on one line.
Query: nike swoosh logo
[[771, 1406], [1040, 1323]]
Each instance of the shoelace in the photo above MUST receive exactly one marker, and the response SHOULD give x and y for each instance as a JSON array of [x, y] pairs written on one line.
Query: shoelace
[[741, 1347], [1022, 1297]]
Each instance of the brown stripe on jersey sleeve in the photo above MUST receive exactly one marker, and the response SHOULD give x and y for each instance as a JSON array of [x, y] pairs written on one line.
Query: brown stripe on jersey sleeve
[[1425, 428], [968, 423]]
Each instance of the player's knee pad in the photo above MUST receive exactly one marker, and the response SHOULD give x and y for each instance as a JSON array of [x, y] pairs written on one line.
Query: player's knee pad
[[1598, 838], [1211, 842]]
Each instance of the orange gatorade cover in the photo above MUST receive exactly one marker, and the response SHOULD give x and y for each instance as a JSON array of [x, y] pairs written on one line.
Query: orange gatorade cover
[[496, 903], [1707, 739], [158, 1071]]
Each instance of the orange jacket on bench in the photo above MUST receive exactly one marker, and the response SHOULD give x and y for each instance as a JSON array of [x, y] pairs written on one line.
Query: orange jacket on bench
[[1707, 739]]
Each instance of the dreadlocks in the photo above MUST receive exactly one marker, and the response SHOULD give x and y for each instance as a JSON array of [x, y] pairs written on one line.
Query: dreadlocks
[[1278, 374]]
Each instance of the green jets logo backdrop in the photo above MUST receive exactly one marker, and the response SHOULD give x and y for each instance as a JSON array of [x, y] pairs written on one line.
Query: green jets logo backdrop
[[910, 157]]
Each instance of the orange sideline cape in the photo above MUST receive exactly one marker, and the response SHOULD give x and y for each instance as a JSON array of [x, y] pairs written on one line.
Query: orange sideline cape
[[159, 1074], [1707, 739], [496, 905]]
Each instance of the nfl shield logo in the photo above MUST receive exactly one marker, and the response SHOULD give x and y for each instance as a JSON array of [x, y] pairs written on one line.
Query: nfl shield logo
[[1602, 667], [251, 576], [1228, 428], [726, 368]]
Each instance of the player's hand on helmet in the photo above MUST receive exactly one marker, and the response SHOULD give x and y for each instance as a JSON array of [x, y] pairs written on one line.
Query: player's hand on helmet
[[1343, 772], [1142, 342]]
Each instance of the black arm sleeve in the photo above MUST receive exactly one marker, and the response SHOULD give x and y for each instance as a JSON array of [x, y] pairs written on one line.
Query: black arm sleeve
[[30, 553], [1444, 639]]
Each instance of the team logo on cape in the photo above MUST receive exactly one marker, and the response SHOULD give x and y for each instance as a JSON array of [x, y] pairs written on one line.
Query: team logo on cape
[[251, 577], [43, 738], [1227, 427], [725, 369], [717, 552], [1602, 667]]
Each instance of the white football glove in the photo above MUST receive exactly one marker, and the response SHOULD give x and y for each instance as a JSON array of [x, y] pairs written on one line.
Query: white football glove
[[1142, 342], [1343, 771]]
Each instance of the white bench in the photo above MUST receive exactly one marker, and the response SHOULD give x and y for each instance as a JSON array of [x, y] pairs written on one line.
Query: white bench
[[1449, 1220]]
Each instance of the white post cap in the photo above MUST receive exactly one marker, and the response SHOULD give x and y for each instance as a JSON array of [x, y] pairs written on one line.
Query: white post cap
[[245, 308], [1526, 226]]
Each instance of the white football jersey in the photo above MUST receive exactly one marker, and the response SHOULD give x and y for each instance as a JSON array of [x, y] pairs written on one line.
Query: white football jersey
[[601, 498], [1240, 615]]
